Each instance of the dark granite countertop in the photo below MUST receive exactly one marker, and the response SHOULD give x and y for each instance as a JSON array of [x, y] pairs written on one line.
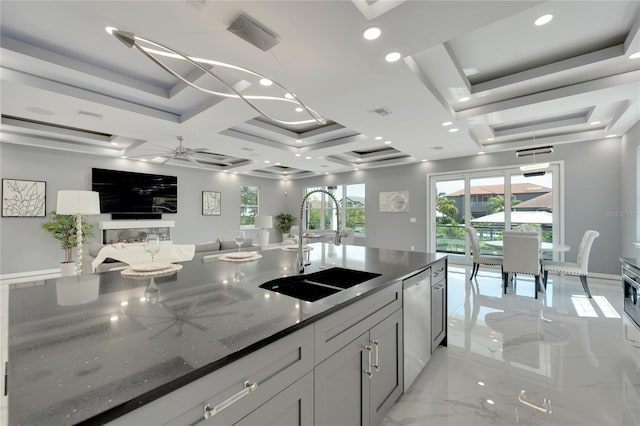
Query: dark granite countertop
[[72, 362]]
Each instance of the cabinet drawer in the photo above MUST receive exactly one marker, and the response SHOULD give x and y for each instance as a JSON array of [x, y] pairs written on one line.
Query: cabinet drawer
[[338, 329], [271, 368], [438, 271]]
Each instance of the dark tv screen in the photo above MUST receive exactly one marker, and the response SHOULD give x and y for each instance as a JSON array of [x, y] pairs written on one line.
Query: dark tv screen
[[130, 192]]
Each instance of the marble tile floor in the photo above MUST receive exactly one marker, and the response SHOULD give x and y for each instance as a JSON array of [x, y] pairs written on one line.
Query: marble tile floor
[[515, 360]]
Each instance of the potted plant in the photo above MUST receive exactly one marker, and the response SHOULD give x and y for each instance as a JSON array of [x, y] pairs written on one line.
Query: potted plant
[[284, 222], [63, 228]]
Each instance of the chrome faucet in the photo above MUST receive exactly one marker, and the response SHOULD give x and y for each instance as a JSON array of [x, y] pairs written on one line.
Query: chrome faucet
[[300, 260]]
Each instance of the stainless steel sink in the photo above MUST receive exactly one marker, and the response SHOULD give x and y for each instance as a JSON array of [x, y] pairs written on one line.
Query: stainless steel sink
[[312, 287]]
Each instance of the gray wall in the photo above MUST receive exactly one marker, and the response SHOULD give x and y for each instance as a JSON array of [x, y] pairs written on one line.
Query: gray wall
[[24, 246], [591, 188], [594, 187], [630, 191]]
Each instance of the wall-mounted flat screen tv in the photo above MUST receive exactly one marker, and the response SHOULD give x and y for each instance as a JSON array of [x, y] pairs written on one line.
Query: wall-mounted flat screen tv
[[130, 192]]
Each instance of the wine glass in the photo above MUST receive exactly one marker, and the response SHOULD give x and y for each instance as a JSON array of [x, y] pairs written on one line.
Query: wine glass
[[239, 239], [152, 245]]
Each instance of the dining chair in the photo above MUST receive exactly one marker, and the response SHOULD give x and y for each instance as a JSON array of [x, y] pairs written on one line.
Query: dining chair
[[580, 267], [479, 258], [521, 256]]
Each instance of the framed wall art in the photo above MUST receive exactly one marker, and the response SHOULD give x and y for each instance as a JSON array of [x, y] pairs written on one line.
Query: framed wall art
[[23, 198], [396, 201], [211, 202]]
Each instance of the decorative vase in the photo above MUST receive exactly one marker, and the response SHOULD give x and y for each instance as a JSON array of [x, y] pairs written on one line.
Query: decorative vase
[[67, 269]]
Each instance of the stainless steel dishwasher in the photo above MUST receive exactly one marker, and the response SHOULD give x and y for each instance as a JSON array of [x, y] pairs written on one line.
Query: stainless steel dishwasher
[[416, 297]]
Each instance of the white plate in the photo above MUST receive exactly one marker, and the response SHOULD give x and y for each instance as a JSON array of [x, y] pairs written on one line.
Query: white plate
[[296, 248], [150, 267], [240, 255]]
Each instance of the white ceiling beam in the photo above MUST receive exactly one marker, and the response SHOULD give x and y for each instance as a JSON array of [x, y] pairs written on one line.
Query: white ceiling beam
[[50, 57], [550, 69], [630, 77]]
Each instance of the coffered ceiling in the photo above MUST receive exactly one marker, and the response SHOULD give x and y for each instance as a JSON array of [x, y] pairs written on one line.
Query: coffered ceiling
[[69, 85]]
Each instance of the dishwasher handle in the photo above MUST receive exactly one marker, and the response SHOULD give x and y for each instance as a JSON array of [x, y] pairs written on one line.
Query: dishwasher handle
[[420, 278]]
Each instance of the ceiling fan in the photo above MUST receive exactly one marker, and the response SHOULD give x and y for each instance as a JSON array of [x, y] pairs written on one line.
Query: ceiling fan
[[180, 152]]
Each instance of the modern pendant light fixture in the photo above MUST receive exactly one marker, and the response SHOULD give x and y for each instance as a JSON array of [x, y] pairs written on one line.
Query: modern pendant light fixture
[[534, 167], [154, 51]]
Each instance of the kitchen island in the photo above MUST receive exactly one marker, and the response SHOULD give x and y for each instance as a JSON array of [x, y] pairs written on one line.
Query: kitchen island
[[125, 344]]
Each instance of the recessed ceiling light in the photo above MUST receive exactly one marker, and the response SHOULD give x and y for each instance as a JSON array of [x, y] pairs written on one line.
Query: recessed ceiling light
[[593, 123], [267, 161], [371, 33], [464, 99], [543, 20], [308, 157], [124, 156], [326, 173], [299, 109], [235, 173], [297, 155], [288, 95], [298, 140], [481, 153], [447, 123], [266, 82], [115, 144], [453, 130], [144, 159], [225, 171], [424, 160], [388, 142], [378, 138], [358, 159], [635, 55], [392, 57], [356, 169], [277, 164], [490, 401], [480, 383], [490, 139], [611, 136]]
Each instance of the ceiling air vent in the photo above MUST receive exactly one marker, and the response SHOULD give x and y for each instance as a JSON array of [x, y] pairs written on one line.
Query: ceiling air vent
[[196, 3], [382, 111], [90, 114], [253, 32]]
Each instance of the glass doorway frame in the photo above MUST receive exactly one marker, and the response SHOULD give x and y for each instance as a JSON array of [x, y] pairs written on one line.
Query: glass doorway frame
[[557, 168]]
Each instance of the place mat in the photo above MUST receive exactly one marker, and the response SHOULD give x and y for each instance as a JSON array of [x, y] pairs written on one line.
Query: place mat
[[296, 248], [227, 258], [130, 272], [150, 267], [239, 255]]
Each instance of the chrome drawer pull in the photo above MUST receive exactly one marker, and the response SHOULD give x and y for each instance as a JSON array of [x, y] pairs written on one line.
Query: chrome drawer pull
[[210, 411], [368, 370], [376, 343]]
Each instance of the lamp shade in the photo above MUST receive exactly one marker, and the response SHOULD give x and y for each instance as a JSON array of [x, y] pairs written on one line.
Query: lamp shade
[[264, 222], [78, 202]]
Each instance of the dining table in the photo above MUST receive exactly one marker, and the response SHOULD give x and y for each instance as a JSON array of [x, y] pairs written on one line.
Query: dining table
[[544, 246]]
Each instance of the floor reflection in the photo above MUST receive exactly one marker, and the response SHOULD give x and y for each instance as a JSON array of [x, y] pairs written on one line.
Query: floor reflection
[[512, 359]]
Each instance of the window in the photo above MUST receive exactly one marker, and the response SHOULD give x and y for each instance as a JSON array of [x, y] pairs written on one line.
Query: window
[[320, 210], [248, 205]]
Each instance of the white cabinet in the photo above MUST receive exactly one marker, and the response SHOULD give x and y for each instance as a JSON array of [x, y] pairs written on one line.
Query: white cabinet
[[438, 304]]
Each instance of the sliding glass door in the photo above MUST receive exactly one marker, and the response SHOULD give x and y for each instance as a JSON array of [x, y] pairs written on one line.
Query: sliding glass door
[[477, 199]]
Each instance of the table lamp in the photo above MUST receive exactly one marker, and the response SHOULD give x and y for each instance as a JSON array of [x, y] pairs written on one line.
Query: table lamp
[[78, 203], [264, 222]]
